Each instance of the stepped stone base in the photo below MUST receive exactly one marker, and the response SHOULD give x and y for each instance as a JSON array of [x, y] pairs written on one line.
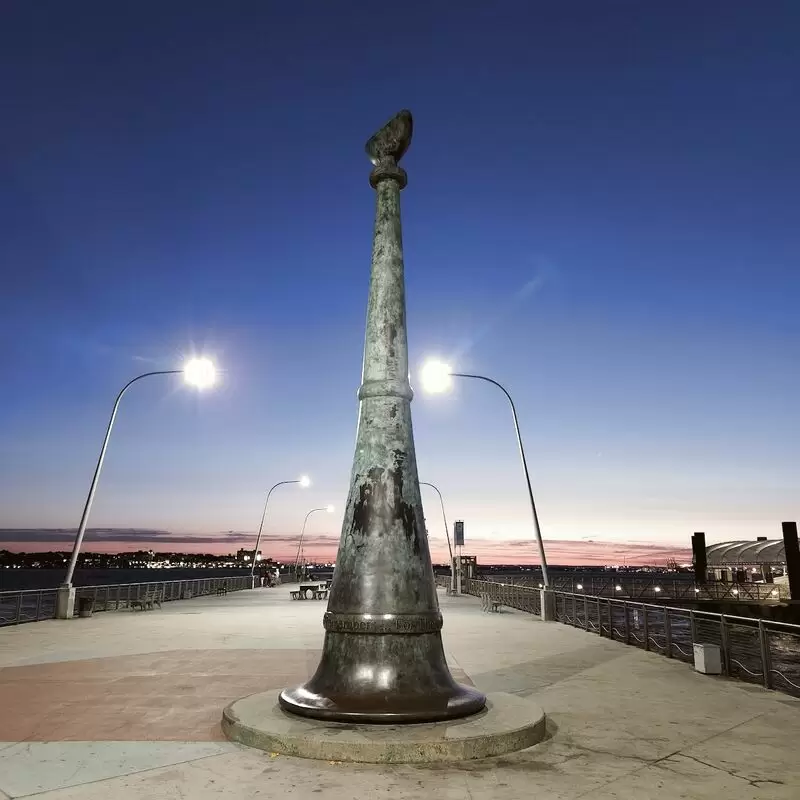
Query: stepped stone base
[[508, 723]]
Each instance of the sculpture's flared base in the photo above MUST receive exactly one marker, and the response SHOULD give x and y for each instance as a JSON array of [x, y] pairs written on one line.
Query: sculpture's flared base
[[462, 701], [388, 678]]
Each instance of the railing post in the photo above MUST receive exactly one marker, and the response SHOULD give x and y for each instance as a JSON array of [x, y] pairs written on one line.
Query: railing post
[[645, 628], [723, 633], [692, 627], [38, 604], [627, 623], [763, 641], [585, 612], [611, 618], [599, 619], [668, 632], [19, 608]]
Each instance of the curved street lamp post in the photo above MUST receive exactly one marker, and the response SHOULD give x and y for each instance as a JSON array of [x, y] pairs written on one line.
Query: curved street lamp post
[[198, 372], [304, 482], [329, 509], [435, 376], [447, 533]]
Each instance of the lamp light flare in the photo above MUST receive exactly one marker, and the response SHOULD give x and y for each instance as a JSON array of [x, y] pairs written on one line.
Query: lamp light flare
[[305, 481], [435, 376], [200, 373], [330, 509]]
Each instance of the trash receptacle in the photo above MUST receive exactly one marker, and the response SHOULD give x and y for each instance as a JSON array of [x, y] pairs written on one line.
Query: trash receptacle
[[85, 606]]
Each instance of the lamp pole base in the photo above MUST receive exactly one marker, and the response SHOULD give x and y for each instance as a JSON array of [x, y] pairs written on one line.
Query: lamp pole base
[[548, 602], [65, 602]]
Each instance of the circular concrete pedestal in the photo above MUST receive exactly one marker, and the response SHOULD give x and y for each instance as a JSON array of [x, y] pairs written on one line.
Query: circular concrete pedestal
[[508, 723]]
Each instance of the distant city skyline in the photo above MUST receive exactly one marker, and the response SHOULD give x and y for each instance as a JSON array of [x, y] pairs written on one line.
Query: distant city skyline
[[600, 214], [283, 547]]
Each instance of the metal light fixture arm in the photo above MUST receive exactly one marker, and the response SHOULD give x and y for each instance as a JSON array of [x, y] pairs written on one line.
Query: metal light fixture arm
[[261, 525], [302, 533], [446, 530], [536, 528], [76, 548]]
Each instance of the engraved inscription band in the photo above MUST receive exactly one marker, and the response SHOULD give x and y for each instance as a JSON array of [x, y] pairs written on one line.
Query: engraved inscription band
[[382, 623]]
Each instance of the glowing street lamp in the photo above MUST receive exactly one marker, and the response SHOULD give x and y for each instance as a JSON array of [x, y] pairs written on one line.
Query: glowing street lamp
[[197, 372], [436, 377], [330, 510], [447, 533], [200, 373], [304, 481]]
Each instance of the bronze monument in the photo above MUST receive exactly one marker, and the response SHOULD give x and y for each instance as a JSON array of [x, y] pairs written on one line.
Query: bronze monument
[[383, 660]]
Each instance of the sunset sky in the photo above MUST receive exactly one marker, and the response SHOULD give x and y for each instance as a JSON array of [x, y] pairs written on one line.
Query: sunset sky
[[601, 214]]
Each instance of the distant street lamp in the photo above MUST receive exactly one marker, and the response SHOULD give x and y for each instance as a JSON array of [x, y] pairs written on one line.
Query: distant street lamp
[[304, 481], [435, 377], [198, 372], [330, 510], [446, 532]]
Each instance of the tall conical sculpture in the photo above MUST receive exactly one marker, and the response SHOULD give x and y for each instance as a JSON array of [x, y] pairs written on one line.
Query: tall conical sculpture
[[383, 660]]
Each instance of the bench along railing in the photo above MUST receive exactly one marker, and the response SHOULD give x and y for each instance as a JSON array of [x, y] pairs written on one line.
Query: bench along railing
[[753, 650], [523, 598], [116, 596], [656, 587], [32, 605]]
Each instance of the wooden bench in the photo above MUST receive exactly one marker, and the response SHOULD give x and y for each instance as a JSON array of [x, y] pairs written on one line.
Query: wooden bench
[[320, 594], [489, 605], [150, 600], [294, 595]]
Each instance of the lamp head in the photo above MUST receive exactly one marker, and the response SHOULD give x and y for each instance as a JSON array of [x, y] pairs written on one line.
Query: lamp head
[[435, 376], [200, 373], [329, 509], [305, 481]]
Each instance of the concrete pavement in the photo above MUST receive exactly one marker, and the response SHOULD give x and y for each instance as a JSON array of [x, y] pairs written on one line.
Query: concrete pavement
[[127, 705]]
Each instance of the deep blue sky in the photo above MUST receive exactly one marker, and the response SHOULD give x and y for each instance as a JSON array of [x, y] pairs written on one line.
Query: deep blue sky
[[601, 213]]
